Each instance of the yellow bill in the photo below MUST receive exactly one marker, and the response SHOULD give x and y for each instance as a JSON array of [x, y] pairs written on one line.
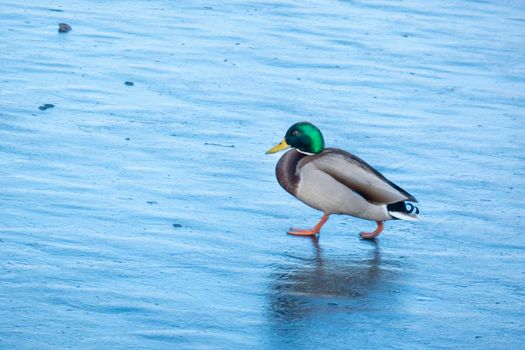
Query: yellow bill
[[282, 145]]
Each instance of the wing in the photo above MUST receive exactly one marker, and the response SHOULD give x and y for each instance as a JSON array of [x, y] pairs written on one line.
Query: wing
[[359, 176]]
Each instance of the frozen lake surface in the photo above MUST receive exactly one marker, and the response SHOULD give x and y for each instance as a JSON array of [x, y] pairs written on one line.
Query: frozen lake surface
[[148, 216]]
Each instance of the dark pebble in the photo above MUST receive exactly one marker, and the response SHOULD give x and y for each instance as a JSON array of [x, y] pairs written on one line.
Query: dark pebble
[[64, 28], [177, 225], [129, 83], [127, 138], [46, 106]]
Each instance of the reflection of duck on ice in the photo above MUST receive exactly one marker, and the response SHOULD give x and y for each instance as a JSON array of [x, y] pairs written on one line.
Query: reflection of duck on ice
[[295, 291]]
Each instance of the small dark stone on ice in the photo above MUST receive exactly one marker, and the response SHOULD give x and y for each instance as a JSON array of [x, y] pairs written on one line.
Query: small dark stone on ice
[[129, 83], [127, 138], [64, 28], [177, 225], [46, 106]]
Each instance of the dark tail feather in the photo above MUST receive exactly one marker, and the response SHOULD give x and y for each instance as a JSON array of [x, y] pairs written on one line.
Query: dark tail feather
[[403, 211]]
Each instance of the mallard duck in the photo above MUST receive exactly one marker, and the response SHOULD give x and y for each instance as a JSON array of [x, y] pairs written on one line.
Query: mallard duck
[[337, 182]]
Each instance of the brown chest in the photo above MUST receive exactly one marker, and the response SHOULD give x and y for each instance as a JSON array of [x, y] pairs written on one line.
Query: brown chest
[[286, 171]]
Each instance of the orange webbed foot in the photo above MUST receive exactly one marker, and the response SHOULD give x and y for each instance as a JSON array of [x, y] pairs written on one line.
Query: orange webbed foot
[[373, 234], [298, 232], [314, 231]]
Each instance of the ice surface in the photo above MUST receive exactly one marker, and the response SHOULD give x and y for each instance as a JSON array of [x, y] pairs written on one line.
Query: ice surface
[[147, 216]]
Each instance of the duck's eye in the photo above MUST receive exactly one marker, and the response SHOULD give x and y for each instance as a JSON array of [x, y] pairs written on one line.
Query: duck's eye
[[295, 132]]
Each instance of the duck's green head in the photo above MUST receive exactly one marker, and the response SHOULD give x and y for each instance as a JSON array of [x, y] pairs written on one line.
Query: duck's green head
[[303, 136]]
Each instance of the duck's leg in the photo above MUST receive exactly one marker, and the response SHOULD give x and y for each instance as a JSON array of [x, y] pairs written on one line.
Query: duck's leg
[[375, 233], [315, 230]]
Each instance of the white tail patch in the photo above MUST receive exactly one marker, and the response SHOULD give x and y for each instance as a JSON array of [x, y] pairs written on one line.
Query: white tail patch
[[404, 216]]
